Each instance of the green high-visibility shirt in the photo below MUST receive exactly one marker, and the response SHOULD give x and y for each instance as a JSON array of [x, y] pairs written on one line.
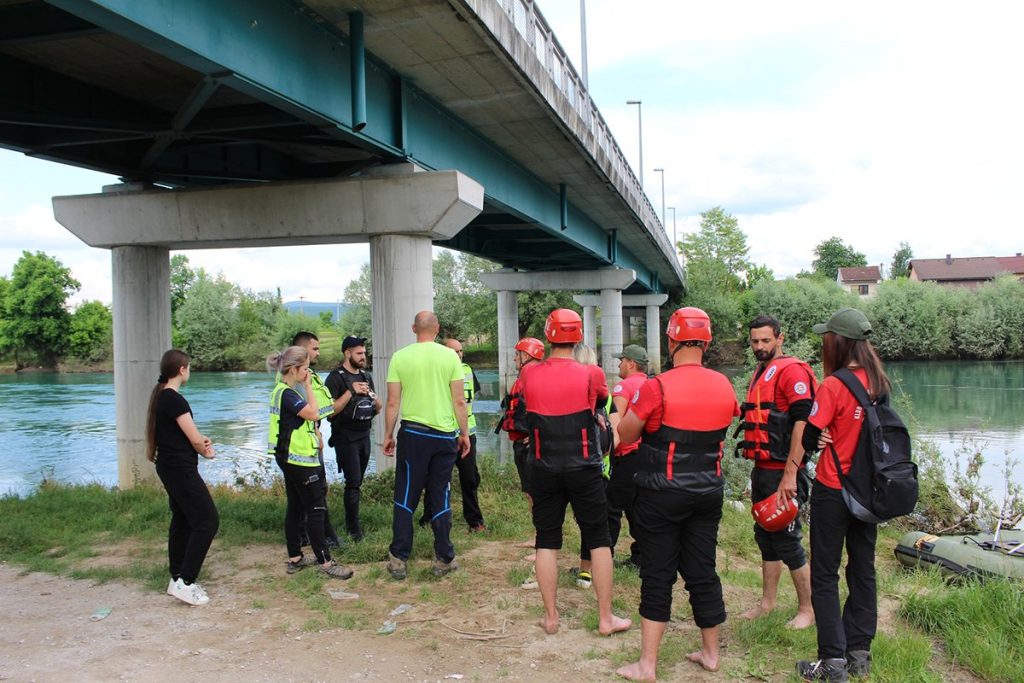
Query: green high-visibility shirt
[[426, 371]]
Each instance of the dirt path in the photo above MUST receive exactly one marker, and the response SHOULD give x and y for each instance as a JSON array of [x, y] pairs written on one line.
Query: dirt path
[[256, 629]]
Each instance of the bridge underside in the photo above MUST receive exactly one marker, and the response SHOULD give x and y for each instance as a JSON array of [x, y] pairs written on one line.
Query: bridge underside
[[75, 93]]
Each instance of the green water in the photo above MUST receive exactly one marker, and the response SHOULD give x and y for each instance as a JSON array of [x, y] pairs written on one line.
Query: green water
[[62, 426]]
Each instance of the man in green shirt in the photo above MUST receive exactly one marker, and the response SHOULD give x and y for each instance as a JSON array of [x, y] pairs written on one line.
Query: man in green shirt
[[426, 380]]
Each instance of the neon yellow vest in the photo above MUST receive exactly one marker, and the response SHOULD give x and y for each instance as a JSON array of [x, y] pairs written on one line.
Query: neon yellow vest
[[303, 446], [324, 402], [467, 389]]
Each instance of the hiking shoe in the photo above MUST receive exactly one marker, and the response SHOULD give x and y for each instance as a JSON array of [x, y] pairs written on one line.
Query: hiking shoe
[[442, 568], [302, 563], [858, 662], [333, 542], [584, 579], [833, 670], [336, 571], [398, 569], [192, 594]]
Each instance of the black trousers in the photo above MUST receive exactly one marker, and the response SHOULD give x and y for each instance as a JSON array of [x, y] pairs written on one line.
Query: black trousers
[[621, 493], [305, 491], [353, 454], [469, 483], [194, 520], [679, 534], [521, 457], [831, 525], [425, 458], [779, 546]]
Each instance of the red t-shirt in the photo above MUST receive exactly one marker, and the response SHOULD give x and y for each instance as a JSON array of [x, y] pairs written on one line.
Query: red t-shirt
[[628, 389], [710, 389], [836, 408], [561, 386]]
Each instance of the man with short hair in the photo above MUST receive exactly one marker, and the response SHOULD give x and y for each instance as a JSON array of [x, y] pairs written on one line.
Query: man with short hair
[[426, 380], [355, 404], [469, 473], [779, 400], [311, 343], [633, 373]]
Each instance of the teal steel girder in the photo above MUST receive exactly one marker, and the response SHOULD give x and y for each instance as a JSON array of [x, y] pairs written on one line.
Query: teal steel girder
[[269, 50]]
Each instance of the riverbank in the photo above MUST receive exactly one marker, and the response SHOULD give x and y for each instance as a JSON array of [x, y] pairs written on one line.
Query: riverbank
[[72, 550]]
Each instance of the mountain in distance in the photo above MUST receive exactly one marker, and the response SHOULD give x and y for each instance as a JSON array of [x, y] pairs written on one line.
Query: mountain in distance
[[313, 309]]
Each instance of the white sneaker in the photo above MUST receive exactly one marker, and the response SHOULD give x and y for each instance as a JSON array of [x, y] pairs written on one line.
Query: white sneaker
[[193, 595], [170, 587]]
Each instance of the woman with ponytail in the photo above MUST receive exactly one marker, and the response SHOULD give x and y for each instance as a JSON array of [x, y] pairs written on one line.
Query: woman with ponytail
[[174, 443], [293, 441]]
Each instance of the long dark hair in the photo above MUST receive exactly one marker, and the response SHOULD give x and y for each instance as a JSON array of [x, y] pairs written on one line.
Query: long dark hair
[[171, 364], [838, 351]]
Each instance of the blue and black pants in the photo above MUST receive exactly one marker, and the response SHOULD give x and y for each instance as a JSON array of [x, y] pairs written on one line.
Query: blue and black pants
[[424, 461]]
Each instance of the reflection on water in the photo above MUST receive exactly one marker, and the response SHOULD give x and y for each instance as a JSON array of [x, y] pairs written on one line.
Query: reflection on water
[[62, 426]]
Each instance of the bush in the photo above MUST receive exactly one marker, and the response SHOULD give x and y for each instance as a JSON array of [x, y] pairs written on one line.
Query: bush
[[798, 304]]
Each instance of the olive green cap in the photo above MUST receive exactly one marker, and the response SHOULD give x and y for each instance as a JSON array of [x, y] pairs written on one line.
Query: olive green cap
[[635, 353], [846, 322]]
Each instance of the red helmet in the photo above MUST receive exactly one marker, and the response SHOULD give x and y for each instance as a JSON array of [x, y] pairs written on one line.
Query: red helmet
[[564, 326], [770, 517], [532, 347], [689, 324]]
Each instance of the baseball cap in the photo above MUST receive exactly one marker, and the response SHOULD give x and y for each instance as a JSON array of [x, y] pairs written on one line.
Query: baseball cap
[[846, 322], [634, 353], [351, 341]]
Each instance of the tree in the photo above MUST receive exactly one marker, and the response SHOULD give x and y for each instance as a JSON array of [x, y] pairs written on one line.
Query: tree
[[832, 254], [182, 277], [717, 253], [356, 319], [34, 315], [92, 331], [901, 261], [357, 292], [759, 273], [207, 321]]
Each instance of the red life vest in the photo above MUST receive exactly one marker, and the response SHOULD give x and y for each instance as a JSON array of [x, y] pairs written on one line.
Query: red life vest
[[561, 442], [515, 428], [767, 430], [677, 458]]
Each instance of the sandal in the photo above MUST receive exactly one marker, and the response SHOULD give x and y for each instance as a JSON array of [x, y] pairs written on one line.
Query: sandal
[[336, 571], [303, 562]]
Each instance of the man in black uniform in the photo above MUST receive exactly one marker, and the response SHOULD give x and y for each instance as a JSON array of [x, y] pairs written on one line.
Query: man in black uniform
[[356, 404]]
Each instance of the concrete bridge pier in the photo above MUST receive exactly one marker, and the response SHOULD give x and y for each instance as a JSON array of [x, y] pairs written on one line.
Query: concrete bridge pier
[[650, 304], [590, 326], [399, 212]]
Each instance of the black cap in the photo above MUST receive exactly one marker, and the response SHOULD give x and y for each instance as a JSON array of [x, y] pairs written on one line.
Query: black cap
[[351, 342]]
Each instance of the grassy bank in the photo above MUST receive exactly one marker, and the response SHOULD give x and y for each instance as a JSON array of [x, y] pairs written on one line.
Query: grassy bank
[[928, 630]]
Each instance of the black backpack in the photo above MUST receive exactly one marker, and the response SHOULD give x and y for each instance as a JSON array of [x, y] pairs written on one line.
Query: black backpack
[[882, 481], [360, 408]]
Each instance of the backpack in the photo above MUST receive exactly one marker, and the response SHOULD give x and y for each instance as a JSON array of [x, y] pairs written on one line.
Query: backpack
[[882, 481], [360, 408]]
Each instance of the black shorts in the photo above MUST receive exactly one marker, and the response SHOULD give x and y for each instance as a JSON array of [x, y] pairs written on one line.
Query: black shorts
[[521, 456], [785, 545], [584, 489]]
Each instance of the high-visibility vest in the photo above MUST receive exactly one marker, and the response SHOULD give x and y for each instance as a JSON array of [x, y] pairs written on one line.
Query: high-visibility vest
[[302, 447]]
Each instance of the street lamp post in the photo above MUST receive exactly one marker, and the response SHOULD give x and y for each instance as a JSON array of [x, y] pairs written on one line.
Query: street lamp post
[[662, 172], [640, 130], [583, 40], [675, 239]]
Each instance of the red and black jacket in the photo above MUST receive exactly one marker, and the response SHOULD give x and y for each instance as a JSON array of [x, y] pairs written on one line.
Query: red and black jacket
[[516, 428], [676, 456], [766, 423]]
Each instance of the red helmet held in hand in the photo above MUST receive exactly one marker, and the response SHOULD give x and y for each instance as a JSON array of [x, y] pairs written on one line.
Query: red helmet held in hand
[[770, 517], [689, 324], [532, 347], [564, 326]]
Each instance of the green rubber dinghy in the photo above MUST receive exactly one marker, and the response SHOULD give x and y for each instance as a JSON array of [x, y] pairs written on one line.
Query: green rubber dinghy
[[976, 555]]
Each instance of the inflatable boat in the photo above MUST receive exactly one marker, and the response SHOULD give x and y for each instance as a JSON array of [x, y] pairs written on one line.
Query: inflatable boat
[[971, 555]]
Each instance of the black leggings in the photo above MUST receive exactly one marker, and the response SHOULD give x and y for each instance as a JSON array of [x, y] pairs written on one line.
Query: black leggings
[[306, 499], [194, 520]]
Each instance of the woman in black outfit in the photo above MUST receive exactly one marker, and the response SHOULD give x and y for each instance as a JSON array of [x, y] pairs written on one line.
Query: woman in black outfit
[[173, 442]]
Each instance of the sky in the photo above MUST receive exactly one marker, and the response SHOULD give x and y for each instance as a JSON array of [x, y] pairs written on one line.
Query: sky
[[876, 123]]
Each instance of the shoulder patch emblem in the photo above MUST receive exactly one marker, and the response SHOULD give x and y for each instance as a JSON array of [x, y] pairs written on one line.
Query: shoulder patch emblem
[[800, 388], [636, 396], [814, 409], [771, 373], [617, 389]]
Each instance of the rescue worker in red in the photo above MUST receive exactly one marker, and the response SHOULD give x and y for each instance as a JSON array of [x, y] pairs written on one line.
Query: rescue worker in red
[[779, 399], [681, 418], [559, 396], [528, 350]]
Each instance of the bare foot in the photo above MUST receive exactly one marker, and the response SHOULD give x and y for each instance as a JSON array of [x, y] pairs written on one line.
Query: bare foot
[[617, 625], [757, 611], [525, 544], [801, 620], [636, 672], [532, 557], [703, 660], [550, 627]]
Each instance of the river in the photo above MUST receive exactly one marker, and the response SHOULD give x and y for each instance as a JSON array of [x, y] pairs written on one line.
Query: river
[[61, 426]]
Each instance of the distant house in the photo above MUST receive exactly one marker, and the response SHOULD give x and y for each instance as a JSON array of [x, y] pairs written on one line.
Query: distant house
[[862, 281], [965, 272]]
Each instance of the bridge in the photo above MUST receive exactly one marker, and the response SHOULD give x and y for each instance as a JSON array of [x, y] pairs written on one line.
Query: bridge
[[405, 123]]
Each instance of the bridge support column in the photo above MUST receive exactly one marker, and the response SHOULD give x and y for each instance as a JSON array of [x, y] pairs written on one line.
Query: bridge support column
[[590, 326], [653, 338], [142, 332], [611, 329], [508, 335]]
